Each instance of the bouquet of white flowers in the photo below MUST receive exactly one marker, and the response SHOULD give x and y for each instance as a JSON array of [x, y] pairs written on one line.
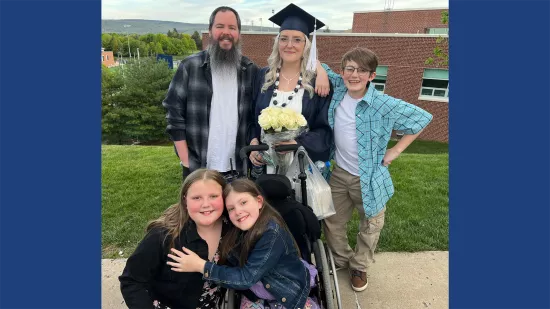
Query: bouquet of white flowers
[[278, 125]]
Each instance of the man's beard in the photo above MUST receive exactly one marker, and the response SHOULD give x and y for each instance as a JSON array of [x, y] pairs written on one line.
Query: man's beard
[[224, 59]]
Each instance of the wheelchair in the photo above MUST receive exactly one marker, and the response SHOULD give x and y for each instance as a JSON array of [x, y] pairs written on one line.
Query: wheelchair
[[303, 225]]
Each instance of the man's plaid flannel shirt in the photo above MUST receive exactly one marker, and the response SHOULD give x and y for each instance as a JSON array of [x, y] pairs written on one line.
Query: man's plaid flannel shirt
[[187, 105]]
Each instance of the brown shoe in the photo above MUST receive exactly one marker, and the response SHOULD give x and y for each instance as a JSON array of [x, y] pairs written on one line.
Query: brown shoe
[[359, 280]]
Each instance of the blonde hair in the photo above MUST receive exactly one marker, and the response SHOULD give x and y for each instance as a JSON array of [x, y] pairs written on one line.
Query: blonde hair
[[274, 61]]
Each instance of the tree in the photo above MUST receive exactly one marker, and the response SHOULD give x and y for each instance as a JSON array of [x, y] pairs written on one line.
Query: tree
[[123, 45], [173, 34], [132, 105], [111, 85], [115, 44], [158, 48], [133, 42], [198, 40], [152, 49], [134, 45], [106, 41], [150, 44], [441, 50], [190, 45], [143, 48], [327, 29], [164, 42], [158, 37], [172, 47], [147, 38]]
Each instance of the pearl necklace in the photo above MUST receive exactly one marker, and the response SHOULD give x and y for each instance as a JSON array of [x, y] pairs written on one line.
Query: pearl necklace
[[294, 92]]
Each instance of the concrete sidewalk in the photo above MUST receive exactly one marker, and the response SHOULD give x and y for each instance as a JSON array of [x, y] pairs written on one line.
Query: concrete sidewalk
[[396, 281]]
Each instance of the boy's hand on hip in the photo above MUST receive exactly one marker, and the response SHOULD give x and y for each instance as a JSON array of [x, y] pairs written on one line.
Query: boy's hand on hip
[[390, 155]]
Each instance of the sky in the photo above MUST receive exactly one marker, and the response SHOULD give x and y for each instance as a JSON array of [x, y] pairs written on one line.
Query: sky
[[333, 13]]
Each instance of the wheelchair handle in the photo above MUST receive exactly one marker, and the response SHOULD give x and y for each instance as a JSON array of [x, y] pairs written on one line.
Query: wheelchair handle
[[302, 176], [243, 153], [290, 147]]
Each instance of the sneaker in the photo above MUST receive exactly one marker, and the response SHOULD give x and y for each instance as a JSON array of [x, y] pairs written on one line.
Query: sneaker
[[359, 280]]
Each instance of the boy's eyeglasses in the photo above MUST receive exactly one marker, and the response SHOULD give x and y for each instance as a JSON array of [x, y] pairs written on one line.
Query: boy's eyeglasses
[[361, 71], [283, 40]]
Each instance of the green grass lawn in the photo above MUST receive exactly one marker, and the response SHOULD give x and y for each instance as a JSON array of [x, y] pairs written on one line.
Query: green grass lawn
[[139, 182]]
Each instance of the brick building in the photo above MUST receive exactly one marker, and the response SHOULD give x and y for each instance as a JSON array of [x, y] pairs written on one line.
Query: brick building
[[402, 72], [400, 21], [107, 58]]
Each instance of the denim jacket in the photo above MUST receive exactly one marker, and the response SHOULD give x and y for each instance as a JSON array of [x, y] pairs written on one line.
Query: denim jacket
[[275, 262]]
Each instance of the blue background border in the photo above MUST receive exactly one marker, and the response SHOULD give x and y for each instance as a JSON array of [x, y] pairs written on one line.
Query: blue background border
[[50, 154], [50, 134], [499, 154]]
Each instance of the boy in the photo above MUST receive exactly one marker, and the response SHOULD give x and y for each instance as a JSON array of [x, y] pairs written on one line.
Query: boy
[[362, 120]]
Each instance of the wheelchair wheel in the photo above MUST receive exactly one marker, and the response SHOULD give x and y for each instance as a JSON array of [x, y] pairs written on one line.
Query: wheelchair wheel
[[223, 304], [325, 275], [229, 300], [334, 274]]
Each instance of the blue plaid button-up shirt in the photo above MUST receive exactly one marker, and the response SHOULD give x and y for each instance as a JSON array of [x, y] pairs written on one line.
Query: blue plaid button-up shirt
[[376, 115]]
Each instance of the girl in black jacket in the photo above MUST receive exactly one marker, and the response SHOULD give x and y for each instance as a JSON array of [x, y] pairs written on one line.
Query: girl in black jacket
[[196, 222]]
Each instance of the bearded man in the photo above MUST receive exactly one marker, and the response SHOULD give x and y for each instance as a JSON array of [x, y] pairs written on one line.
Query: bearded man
[[209, 103]]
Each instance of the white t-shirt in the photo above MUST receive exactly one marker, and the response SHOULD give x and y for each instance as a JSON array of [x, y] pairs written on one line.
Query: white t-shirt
[[222, 134], [345, 136]]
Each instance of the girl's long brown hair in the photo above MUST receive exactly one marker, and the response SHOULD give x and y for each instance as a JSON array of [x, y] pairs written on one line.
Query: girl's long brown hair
[[267, 213], [176, 216]]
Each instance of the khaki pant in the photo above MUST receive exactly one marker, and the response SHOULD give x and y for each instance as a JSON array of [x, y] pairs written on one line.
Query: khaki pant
[[346, 194]]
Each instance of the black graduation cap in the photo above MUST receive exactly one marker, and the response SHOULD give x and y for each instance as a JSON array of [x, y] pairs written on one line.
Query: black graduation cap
[[293, 17]]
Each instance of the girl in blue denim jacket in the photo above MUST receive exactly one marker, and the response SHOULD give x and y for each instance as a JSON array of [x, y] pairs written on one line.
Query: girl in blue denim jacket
[[264, 257]]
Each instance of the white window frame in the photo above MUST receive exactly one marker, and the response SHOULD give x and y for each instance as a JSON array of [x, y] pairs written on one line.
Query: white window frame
[[433, 90], [380, 84], [102, 58], [433, 97], [435, 30]]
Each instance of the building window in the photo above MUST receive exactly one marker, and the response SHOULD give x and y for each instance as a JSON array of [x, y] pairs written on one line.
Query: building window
[[102, 58], [379, 81], [107, 57], [435, 85], [437, 30]]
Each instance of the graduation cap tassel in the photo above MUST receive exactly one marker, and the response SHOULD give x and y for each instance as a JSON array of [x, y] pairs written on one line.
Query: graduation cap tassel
[[312, 61]]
